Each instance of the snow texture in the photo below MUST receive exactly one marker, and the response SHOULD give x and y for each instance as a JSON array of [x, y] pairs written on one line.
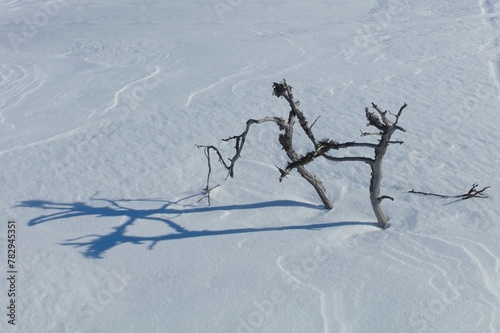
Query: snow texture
[[103, 102]]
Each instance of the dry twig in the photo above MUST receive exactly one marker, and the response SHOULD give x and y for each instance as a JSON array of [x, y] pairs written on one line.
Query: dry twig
[[472, 193], [207, 188]]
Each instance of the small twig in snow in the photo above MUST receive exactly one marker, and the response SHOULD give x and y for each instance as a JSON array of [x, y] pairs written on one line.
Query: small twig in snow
[[472, 193], [207, 188]]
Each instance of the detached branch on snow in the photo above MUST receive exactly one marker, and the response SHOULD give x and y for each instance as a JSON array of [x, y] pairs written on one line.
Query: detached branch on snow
[[472, 193]]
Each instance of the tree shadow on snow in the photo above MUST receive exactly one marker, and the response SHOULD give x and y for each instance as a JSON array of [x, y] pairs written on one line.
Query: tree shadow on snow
[[100, 244]]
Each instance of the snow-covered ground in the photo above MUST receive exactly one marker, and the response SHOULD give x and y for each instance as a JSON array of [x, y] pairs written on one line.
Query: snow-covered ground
[[103, 102]]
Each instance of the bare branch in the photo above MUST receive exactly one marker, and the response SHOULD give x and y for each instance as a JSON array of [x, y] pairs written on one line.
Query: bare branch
[[385, 197], [428, 193], [472, 193], [207, 193], [323, 147], [284, 173], [400, 112], [356, 144], [383, 114], [241, 139], [399, 128], [386, 131], [373, 120], [284, 90], [221, 159], [372, 133], [314, 122], [207, 188], [386, 120], [349, 159], [305, 125]]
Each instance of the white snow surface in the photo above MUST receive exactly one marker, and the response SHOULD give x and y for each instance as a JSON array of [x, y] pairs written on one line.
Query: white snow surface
[[102, 104]]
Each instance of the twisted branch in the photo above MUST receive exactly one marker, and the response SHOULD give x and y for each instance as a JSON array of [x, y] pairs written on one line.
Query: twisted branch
[[378, 119], [286, 140]]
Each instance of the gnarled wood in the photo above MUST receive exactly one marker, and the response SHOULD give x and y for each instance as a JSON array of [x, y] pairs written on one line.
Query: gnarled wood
[[378, 119], [285, 139]]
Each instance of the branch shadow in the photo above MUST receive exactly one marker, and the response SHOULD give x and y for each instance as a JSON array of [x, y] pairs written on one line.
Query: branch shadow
[[98, 245]]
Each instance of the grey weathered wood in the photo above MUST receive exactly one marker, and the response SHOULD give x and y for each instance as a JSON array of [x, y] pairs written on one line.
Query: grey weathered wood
[[379, 119], [472, 193], [286, 140], [376, 165]]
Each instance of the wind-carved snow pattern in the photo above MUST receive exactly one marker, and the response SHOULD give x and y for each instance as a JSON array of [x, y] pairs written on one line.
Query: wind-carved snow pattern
[[135, 90], [244, 71], [17, 82], [120, 53], [151, 55], [7, 3], [488, 9], [449, 262], [301, 282]]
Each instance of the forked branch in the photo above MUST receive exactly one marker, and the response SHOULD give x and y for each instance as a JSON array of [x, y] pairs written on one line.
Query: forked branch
[[240, 142], [378, 119], [384, 123], [285, 138]]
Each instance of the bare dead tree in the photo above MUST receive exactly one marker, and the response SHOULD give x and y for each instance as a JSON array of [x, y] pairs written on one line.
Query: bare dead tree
[[386, 129], [384, 122], [381, 122], [472, 193], [285, 138]]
